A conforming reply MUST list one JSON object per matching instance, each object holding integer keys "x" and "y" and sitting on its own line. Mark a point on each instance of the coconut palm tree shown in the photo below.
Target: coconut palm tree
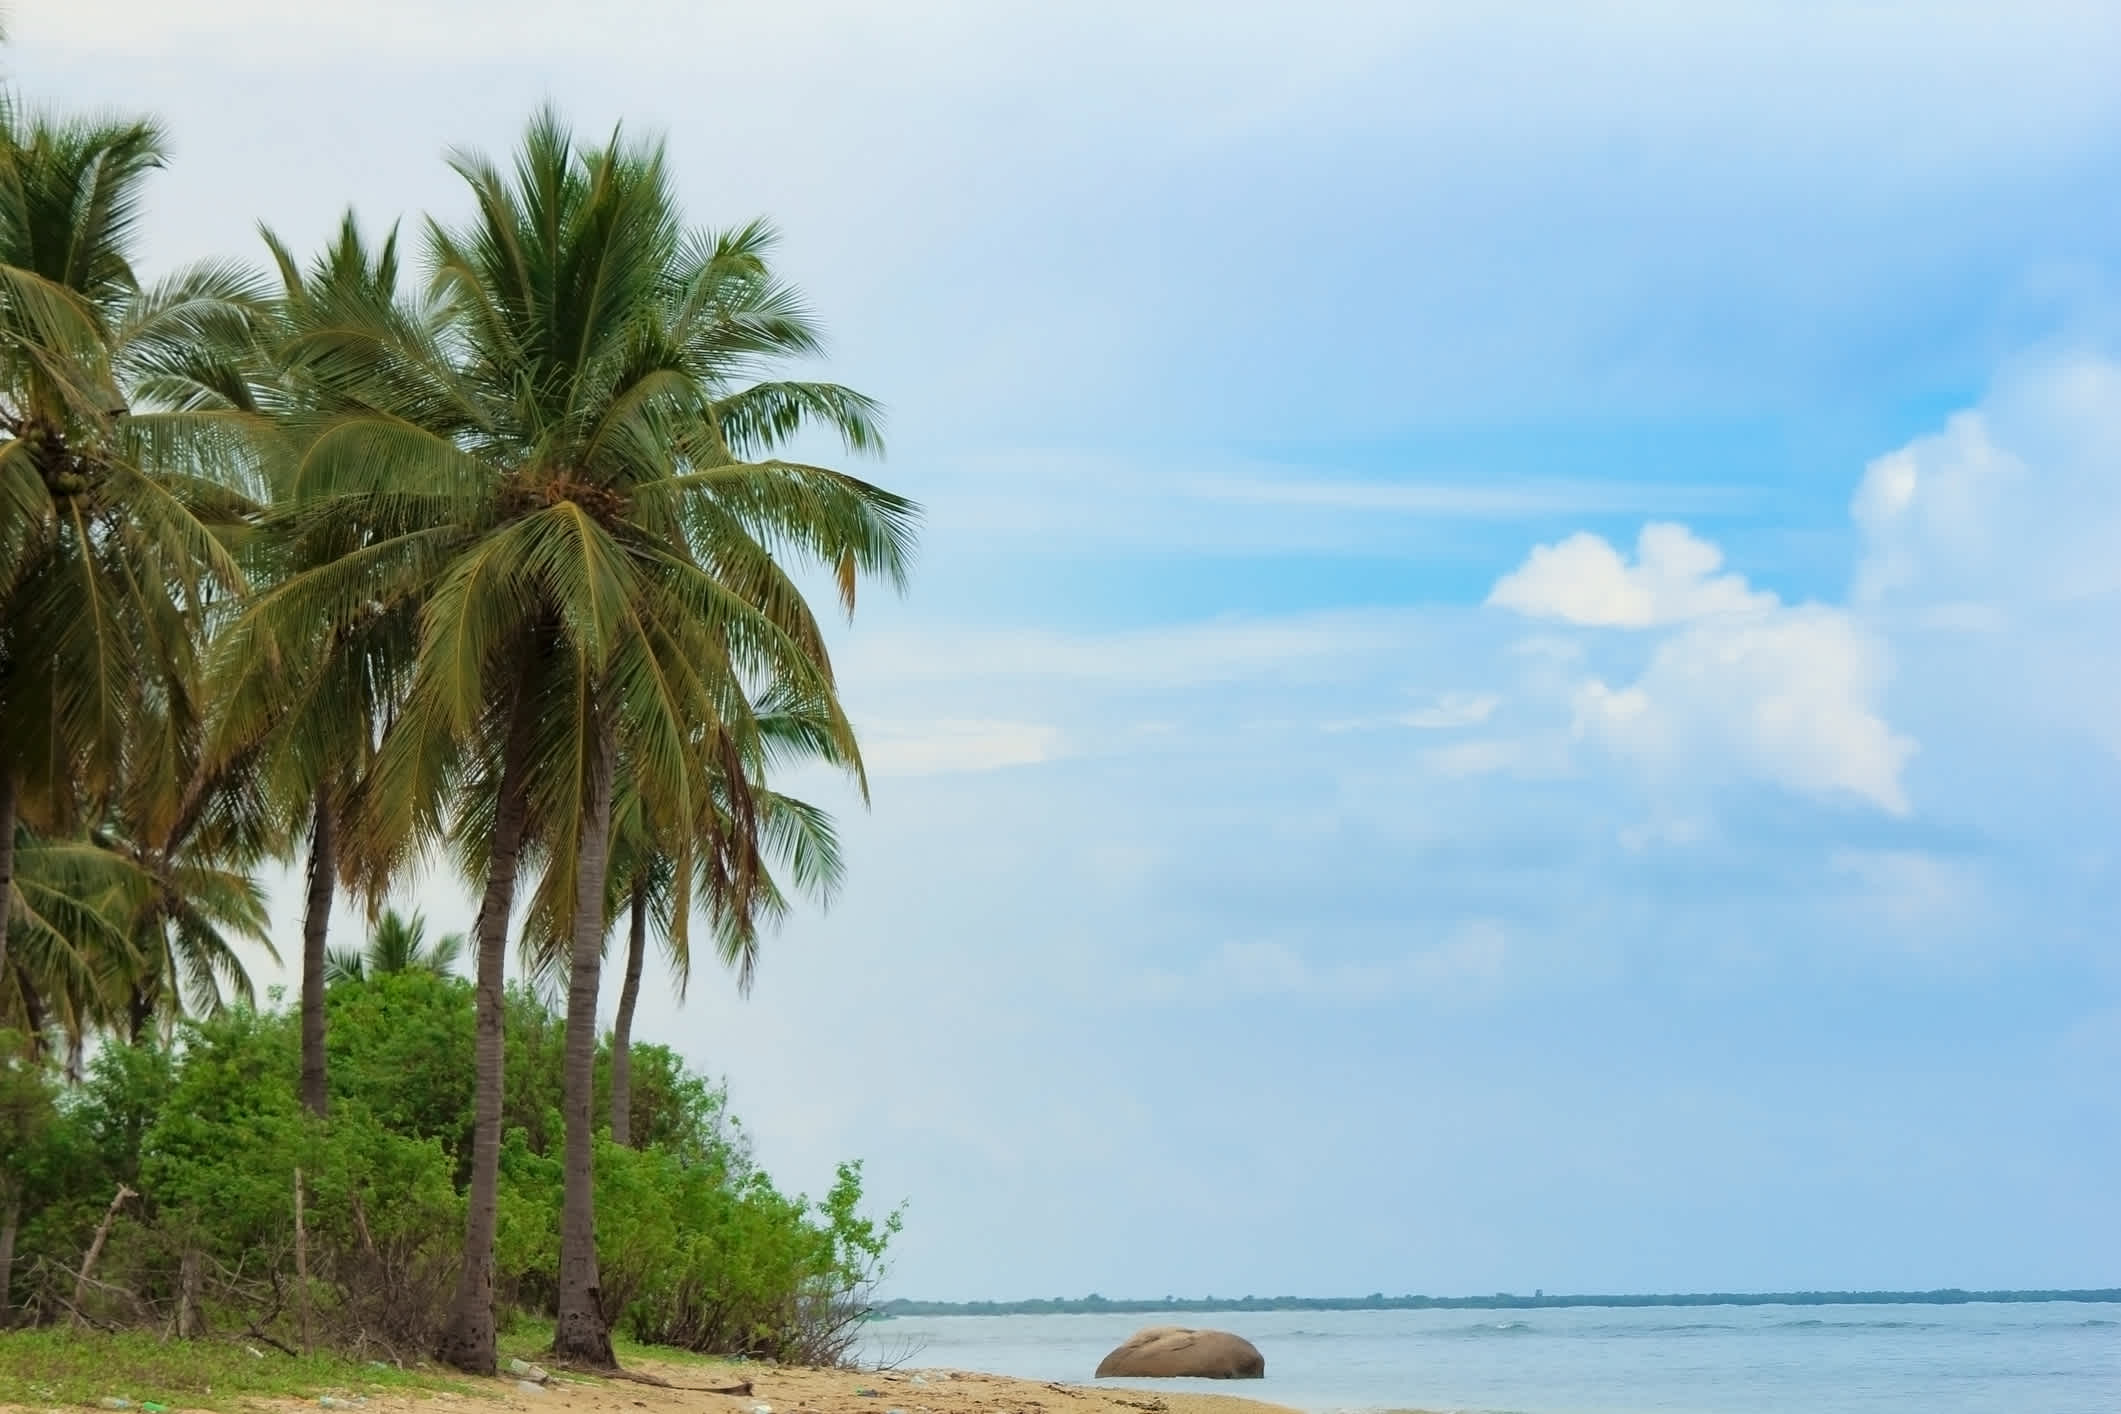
{"x": 112, "y": 490}
{"x": 307, "y": 688}
{"x": 793, "y": 840}
{"x": 398, "y": 944}
{"x": 552, "y": 474}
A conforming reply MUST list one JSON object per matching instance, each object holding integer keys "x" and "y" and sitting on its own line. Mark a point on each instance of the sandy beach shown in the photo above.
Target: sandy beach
{"x": 797, "y": 1391}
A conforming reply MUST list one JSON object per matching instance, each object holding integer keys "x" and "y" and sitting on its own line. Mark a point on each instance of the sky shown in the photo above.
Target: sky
{"x": 1513, "y": 675}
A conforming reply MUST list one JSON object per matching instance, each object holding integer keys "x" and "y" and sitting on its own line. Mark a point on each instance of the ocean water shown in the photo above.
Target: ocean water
{"x": 2047, "y": 1358}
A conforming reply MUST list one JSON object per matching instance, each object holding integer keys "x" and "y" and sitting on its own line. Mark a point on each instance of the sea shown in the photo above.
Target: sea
{"x": 2030, "y": 1358}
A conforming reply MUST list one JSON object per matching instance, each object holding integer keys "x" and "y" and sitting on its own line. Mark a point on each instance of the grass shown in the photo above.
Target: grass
{"x": 57, "y": 1368}
{"x": 527, "y": 1339}
{"x": 43, "y": 1369}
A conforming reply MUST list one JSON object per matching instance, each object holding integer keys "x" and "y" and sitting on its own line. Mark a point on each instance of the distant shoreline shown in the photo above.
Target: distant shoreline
{"x": 1500, "y": 1301}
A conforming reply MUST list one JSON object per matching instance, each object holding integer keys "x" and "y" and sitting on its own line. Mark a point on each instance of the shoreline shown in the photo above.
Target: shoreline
{"x": 788, "y": 1390}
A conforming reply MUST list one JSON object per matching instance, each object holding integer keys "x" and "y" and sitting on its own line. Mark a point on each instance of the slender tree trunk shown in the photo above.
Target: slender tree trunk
{"x": 468, "y": 1341}
{"x": 622, "y": 1027}
{"x": 7, "y": 861}
{"x": 34, "y": 1015}
{"x": 581, "y": 1335}
{"x": 316, "y": 920}
{"x": 191, "y": 1280}
{"x": 140, "y": 1012}
{"x": 10, "y": 1223}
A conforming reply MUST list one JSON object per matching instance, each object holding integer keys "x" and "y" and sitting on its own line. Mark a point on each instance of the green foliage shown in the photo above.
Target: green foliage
{"x": 697, "y": 1248}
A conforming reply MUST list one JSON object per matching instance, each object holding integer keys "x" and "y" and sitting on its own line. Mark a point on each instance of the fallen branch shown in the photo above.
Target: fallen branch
{"x": 615, "y": 1373}
{"x": 95, "y": 1250}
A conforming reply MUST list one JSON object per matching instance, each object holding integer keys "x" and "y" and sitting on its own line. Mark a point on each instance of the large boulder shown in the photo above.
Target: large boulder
{"x": 1173, "y": 1352}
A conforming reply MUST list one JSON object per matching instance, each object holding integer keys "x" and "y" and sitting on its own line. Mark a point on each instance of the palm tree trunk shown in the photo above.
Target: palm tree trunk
{"x": 10, "y": 1223}
{"x": 140, "y": 1013}
{"x": 468, "y": 1341}
{"x": 581, "y": 1335}
{"x": 34, "y": 1015}
{"x": 622, "y": 1027}
{"x": 323, "y": 871}
{"x": 7, "y": 860}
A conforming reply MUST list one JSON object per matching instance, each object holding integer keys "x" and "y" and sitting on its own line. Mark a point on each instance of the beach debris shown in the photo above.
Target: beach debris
{"x": 149, "y": 1406}
{"x": 920, "y": 1379}
{"x": 761, "y": 1409}
{"x": 524, "y": 1370}
{"x": 254, "y": 1352}
{"x": 529, "y": 1387}
{"x": 112, "y": 1401}
{"x": 334, "y": 1401}
{"x": 864, "y": 1392}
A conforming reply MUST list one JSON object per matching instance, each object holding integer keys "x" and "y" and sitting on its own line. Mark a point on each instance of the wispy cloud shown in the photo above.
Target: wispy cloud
{"x": 1482, "y": 500}
{"x": 948, "y": 746}
{"x": 1470, "y": 962}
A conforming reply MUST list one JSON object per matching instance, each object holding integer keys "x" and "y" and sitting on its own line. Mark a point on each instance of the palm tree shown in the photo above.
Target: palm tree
{"x": 795, "y": 841}
{"x": 111, "y": 488}
{"x": 398, "y": 944}
{"x": 551, "y": 473}
{"x": 306, "y": 687}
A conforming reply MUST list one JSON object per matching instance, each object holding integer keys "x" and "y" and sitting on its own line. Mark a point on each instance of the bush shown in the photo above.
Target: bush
{"x": 697, "y": 1247}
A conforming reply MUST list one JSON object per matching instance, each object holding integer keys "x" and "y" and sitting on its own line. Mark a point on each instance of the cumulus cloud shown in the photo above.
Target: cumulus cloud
{"x": 1584, "y": 580}
{"x": 2011, "y": 505}
{"x": 1790, "y": 696}
{"x": 1743, "y": 686}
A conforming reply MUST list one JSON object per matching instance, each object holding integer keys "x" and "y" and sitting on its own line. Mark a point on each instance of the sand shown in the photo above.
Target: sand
{"x": 792, "y": 1391}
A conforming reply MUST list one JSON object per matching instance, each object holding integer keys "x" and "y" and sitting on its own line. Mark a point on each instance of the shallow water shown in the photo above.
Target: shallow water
{"x": 2047, "y": 1358}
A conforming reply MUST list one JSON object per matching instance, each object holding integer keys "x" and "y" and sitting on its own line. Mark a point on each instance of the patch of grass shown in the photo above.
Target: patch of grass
{"x": 528, "y": 1339}
{"x": 42, "y": 1369}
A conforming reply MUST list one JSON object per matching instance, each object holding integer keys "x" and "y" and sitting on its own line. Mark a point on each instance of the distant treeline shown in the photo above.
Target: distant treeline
{"x": 1500, "y": 1301}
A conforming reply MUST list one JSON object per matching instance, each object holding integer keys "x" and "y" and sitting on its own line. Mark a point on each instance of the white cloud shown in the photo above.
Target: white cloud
{"x": 946, "y": 747}
{"x": 1514, "y": 756}
{"x": 1454, "y": 709}
{"x": 1584, "y": 580}
{"x": 1471, "y": 961}
{"x": 2012, "y": 505}
{"x": 1443, "y": 712}
{"x": 1920, "y": 900}
{"x": 1790, "y": 697}
{"x": 1217, "y": 650}
{"x": 1744, "y": 686}
{"x": 1500, "y": 500}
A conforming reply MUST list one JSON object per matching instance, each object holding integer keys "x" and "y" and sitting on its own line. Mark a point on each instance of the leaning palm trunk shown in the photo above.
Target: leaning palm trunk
{"x": 622, "y": 1026}
{"x": 468, "y": 1342}
{"x": 316, "y": 920}
{"x": 582, "y": 1335}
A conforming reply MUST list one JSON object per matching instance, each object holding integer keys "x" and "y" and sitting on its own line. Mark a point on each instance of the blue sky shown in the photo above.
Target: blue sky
{"x": 1513, "y": 681}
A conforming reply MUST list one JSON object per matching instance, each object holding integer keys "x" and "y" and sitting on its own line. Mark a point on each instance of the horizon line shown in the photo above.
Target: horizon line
{"x": 1094, "y": 1303}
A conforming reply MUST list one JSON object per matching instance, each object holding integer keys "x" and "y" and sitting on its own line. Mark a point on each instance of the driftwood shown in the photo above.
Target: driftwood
{"x": 615, "y": 1373}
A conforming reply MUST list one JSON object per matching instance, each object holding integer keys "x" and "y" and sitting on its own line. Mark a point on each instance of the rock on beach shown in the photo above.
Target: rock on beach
{"x": 1176, "y": 1352}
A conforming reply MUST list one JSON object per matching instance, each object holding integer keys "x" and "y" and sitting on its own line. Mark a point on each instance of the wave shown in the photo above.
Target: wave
{"x": 2095, "y": 1321}
{"x": 1493, "y": 1328}
{"x": 1814, "y": 1322}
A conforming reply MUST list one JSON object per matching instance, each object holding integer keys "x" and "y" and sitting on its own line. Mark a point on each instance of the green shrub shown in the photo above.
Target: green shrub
{"x": 696, "y": 1247}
